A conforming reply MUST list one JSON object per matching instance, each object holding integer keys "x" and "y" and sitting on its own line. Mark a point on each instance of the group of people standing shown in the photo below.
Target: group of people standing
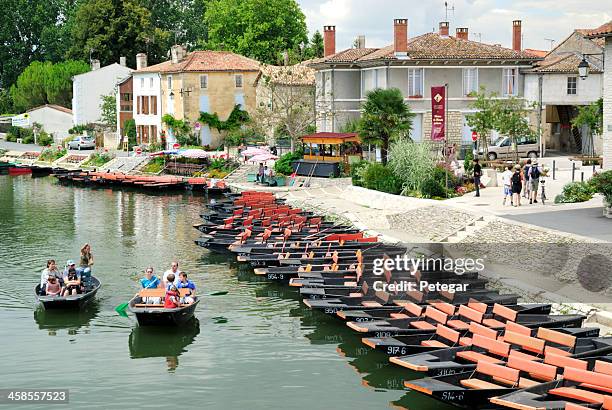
{"x": 172, "y": 281}
{"x": 521, "y": 181}
{"x": 264, "y": 173}
{"x": 72, "y": 280}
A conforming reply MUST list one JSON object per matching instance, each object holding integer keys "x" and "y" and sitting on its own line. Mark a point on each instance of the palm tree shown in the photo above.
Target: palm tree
{"x": 385, "y": 116}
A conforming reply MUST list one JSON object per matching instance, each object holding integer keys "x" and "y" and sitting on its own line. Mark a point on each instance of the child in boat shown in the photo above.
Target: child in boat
{"x": 172, "y": 299}
{"x": 72, "y": 281}
{"x": 185, "y": 283}
{"x": 53, "y": 285}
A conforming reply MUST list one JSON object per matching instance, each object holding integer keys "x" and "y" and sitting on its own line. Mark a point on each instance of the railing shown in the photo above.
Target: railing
{"x": 182, "y": 169}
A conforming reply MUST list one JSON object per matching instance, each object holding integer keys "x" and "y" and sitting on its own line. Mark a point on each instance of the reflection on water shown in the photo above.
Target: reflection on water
{"x": 152, "y": 341}
{"x": 259, "y": 333}
{"x": 55, "y": 320}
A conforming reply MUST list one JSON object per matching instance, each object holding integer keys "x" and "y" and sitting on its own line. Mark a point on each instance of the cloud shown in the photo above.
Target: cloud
{"x": 489, "y": 20}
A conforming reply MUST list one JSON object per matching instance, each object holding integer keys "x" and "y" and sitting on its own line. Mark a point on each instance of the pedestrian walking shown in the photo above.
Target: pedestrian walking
{"x": 477, "y": 175}
{"x": 526, "y": 169}
{"x": 507, "y": 182}
{"x": 517, "y": 185}
{"x": 534, "y": 182}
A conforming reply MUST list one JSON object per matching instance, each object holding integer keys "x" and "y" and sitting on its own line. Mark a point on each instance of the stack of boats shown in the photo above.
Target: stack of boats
{"x": 475, "y": 348}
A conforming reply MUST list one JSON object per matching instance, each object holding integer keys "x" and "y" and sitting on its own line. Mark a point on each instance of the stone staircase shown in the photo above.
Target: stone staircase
{"x": 469, "y": 229}
{"x": 239, "y": 175}
{"x": 125, "y": 164}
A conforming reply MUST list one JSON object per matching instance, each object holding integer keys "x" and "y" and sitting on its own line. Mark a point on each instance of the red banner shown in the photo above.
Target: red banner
{"x": 438, "y": 113}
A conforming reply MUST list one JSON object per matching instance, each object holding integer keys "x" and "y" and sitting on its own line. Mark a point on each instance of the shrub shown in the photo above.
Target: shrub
{"x": 602, "y": 183}
{"x": 44, "y": 139}
{"x": 217, "y": 163}
{"x": 411, "y": 162}
{"x": 440, "y": 173}
{"x": 575, "y": 192}
{"x": 432, "y": 188}
{"x": 381, "y": 178}
{"x": 155, "y": 165}
{"x": 51, "y": 154}
{"x": 356, "y": 172}
{"x": 98, "y": 159}
{"x": 468, "y": 163}
{"x": 282, "y": 166}
{"x": 10, "y": 137}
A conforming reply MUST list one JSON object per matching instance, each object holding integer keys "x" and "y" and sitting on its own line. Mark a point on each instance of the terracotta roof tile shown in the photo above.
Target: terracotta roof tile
{"x": 602, "y": 31}
{"x": 431, "y": 46}
{"x": 206, "y": 60}
{"x": 536, "y": 53}
{"x": 563, "y": 63}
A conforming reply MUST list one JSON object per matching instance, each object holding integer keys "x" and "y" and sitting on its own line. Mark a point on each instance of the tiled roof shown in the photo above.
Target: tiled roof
{"x": 536, "y": 53}
{"x": 604, "y": 30}
{"x": 206, "y": 60}
{"x": 55, "y": 107}
{"x": 298, "y": 74}
{"x": 563, "y": 63}
{"x": 431, "y": 46}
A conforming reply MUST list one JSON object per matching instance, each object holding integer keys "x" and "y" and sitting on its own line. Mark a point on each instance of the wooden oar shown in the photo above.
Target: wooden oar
{"x": 120, "y": 309}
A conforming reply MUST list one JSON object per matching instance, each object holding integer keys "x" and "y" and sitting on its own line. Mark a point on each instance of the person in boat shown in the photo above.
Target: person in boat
{"x": 150, "y": 281}
{"x": 86, "y": 261}
{"x": 174, "y": 270}
{"x": 72, "y": 280}
{"x": 50, "y": 271}
{"x": 172, "y": 298}
{"x": 185, "y": 283}
{"x": 53, "y": 287}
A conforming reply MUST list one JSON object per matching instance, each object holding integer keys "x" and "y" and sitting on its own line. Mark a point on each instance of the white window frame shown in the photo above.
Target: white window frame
{"x": 169, "y": 83}
{"x": 467, "y": 86}
{"x": 236, "y": 77}
{"x": 412, "y": 82}
{"x": 151, "y": 82}
{"x": 142, "y": 82}
{"x": 506, "y": 77}
{"x": 575, "y": 88}
{"x": 205, "y": 77}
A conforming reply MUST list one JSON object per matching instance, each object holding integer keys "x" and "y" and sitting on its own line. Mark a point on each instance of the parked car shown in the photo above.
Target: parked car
{"x": 82, "y": 142}
{"x": 502, "y": 148}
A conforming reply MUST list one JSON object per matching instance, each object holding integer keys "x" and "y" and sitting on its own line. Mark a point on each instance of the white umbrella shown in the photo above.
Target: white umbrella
{"x": 254, "y": 151}
{"x": 263, "y": 157}
{"x": 194, "y": 153}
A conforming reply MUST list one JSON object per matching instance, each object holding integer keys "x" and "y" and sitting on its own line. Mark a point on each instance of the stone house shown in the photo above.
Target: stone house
{"x": 605, "y": 32}
{"x": 556, "y": 79}
{"x": 146, "y": 106}
{"x": 413, "y": 65}
{"x": 54, "y": 119}
{"x": 200, "y": 81}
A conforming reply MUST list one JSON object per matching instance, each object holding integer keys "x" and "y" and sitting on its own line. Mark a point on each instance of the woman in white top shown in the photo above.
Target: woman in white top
{"x": 50, "y": 270}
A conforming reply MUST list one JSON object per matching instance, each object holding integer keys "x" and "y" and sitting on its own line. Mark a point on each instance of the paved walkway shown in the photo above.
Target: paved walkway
{"x": 13, "y": 146}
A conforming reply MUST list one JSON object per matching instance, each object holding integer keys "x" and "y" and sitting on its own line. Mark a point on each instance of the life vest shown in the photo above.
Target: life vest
{"x": 168, "y": 302}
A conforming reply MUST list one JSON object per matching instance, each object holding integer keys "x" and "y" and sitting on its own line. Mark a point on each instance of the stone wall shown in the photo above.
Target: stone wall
{"x": 454, "y": 126}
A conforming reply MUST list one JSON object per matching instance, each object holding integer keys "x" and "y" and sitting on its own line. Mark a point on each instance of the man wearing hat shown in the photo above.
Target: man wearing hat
{"x": 534, "y": 181}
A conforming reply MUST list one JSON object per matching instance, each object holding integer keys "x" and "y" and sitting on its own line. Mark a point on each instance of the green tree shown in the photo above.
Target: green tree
{"x": 483, "y": 121}
{"x": 182, "y": 18}
{"x": 385, "y": 116}
{"x": 26, "y": 27}
{"x": 592, "y": 116}
{"x": 29, "y": 90}
{"x": 108, "y": 107}
{"x": 58, "y": 81}
{"x": 315, "y": 47}
{"x": 46, "y": 83}
{"x": 511, "y": 120}
{"x": 260, "y": 29}
{"x": 6, "y": 103}
{"x": 130, "y": 133}
{"x": 109, "y": 29}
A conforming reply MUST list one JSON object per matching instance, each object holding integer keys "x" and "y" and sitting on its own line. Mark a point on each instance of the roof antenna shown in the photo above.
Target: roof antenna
{"x": 446, "y": 8}
{"x": 551, "y": 40}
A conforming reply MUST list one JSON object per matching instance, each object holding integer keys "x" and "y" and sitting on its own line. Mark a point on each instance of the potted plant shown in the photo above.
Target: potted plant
{"x": 602, "y": 183}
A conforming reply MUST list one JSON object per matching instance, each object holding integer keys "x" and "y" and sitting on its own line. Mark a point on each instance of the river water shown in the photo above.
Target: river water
{"x": 257, "y": 347}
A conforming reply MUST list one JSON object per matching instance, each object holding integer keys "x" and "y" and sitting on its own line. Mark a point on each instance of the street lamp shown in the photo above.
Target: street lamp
{"x": 583, "y": 69}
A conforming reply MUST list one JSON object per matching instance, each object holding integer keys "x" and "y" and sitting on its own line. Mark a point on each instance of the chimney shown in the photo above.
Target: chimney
{"x": 360, "y": 42}
{"x": 444, "y": 28}
{"x": 329, "y": 40}
{"x": 462, "y": 33}
{"x": 122, "y": 61}
{"x": 516, "y": 35}
{"x": 95, "y": 65}
{"x": 141, "y": 61}
{"x": 400, "y": 37}
{"x": 176, "y": 53}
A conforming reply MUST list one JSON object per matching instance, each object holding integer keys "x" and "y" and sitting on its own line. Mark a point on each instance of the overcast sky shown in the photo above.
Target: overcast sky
{"x": 492, "y": 19}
